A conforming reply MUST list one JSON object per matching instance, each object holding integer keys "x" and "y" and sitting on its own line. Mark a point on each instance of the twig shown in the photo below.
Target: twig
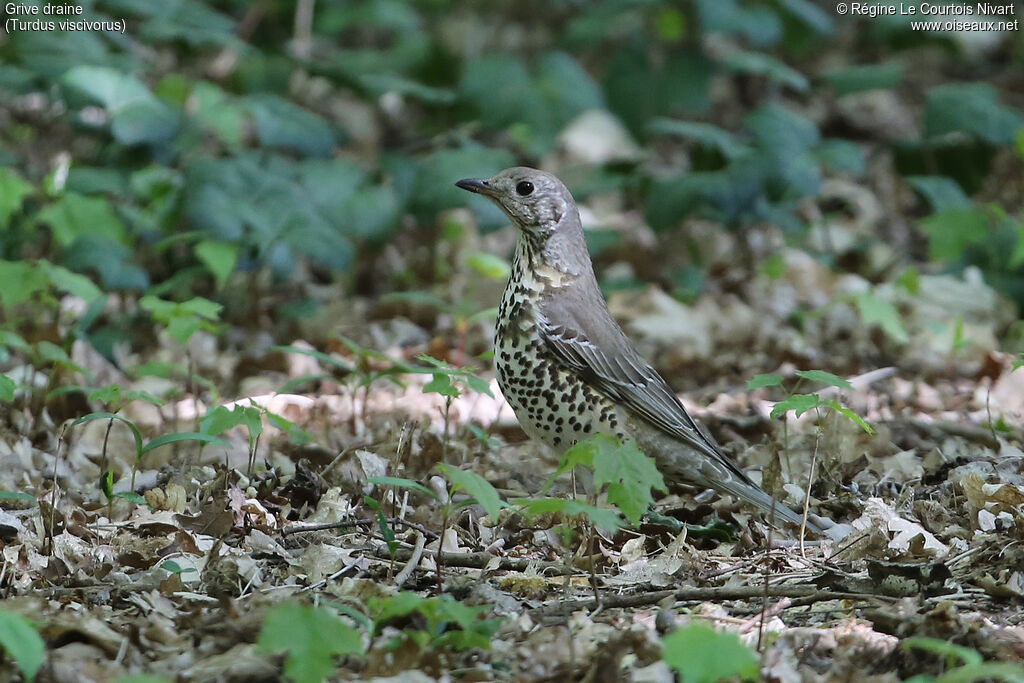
{"x": 807, "y": 594}
{"x": 300, "y": 528}
{"x": 414, "y": 560}
{"x": 480, "y": 561}
{"x": 323, "y": 582}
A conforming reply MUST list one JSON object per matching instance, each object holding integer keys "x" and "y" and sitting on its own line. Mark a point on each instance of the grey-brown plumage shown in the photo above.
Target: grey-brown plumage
{"x": 564, "y": 364}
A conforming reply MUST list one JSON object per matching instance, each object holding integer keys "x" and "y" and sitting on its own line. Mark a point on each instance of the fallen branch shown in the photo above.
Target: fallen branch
{"x": 480, "y": 561}
{"x": 807, "y": 595}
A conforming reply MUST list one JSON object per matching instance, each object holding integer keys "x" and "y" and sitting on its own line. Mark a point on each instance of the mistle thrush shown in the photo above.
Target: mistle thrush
{"x": 564, "y": 364}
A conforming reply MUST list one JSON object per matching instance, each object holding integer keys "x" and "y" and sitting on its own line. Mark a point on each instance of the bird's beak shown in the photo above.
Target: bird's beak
{"x": 476, "y": 185}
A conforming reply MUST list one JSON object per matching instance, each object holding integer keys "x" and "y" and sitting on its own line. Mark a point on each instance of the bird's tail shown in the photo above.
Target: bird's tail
{"x": 749, "y": 492}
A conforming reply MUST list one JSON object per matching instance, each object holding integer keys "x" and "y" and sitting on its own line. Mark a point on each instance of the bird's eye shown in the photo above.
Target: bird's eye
{"x": 524, "y": 188}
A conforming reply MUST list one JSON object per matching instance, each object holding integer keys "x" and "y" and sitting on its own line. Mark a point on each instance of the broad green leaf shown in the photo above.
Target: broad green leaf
{"x": 824, "y": 378}
{"x": 799, "y": 403}
{"x": 74, "y": 215}
{"x": 7, "y": 388}
{"x": 279, "y": 123}
{"x": 630, "y": 475}
{"x": 941, "y": 192}
{"x": 877, "y": 311}
{"x": 489, "y": 265}
{"x": 22, "y": 643}
{"x": 219, "y": 257}
{"x": 862, "y": 77}
{"x": 700, "y": 654}
{"x": 402, "y": 483}
{"x": 13, "y": 190}
{"x": 184, "y": 436}
{"x": 131, "y": 496}
{"x": 759, "y": 381}
{"x": 956, "y": 653}
{"x": 476, "y": 486}
{"x": 765, "y": 65}
{"x": 951, "y": 230}
{"x": 19, "y": 282}
{"x": 384, "y": 610}
{"x": 705, "y": 133}
{"x": 604, "y": 518}
{"x": 970, "y": 108}
{"x": 313, "y": 637}
{"x": 17, "y": 495}
{"x": 137, "y": 116}
{"x": 441, "y": 384}
{"x": 73, "y": 283}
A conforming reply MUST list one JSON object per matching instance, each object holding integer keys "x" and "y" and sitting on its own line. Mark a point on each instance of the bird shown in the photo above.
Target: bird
{"x": 564, "y": 364}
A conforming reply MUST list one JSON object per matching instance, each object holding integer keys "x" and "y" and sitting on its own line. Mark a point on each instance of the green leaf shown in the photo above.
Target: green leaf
{"x": 75, "y": 215}
{"x": 184, "y": 436}
{"x": 824, "y": 378}
{"x": 941, "y": 192}
{"x": 107, "y": 480}
{"x": 970, "y": 108}
{"x": 765, "y": 65}
{"x": 954, "y": 652}
{"x": 951, "y": 230}
{"x": 862, "y": 77}
{"x": 17, "y": 495}
{"x": 489, "y": 265}
{"x": 279, "y": 123}
{"x": 398, "y": 605}
{"x": 313, "y": 637}
{"x": 13, "y": 190}
{"x": 700, "y": 654}
{"x": 402, "y": 483}
{"x": 476, "y": 486}
{"x": 704, "y": 133}
{"x": 73, "y": 283}
{"x": 800, "y": 403}
{"x": 843, "y": 410}
{"x": 441, "y": 384}
{"x": 21, "y": 641}
{"x": 219, "y": 257}
{"x": 630, "y": 475}
{"x": 130, "y": 496}
{"x": 877, "y": 311}
{"x": 137, "y": 116}
{"x": 604, "y": 518}
{"x": 19, "y": 282}
{"x": 759, "y": 381}
{"x": 7, "y": 388}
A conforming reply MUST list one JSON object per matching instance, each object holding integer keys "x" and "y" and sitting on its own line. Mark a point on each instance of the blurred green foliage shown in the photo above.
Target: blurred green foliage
{"x": 219, "y": 139}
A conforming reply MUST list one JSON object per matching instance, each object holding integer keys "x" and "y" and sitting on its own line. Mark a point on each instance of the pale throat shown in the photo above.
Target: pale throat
{"x": 534, "y": 270}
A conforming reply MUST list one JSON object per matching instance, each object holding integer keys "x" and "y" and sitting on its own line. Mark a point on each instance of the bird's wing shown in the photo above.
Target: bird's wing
{"x": 598, "y": 350}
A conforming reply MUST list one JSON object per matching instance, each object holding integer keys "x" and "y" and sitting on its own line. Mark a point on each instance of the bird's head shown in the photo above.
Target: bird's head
{"x": 535, "y": 201}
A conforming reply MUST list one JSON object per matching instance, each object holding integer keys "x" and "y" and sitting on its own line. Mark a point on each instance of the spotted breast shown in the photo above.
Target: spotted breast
{"x": 553, "y": 405}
